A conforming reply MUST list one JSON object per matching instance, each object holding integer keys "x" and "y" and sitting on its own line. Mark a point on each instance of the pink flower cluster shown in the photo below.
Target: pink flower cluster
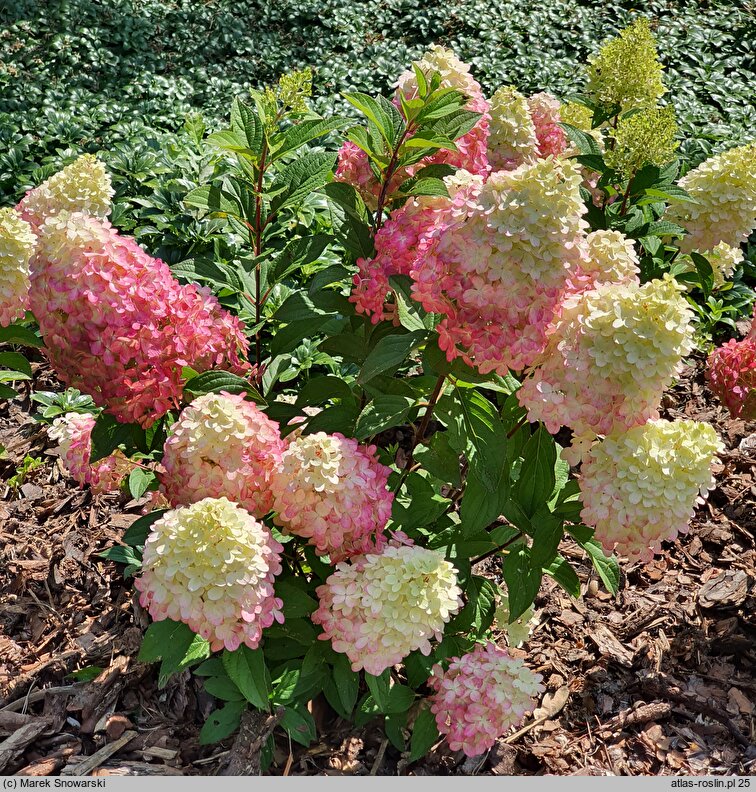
{"x": 544, "y": 110}
{"x": 118, "y": 325}
{"x": 481, "y": 696}
{"x": 222, "y": 446}
{"x": 331, "y": 491}
{"x": 380, "y": 607}
{"x": 731, "y": 372}
{"x": 73, "y": 433}
{"x": 498, "y": 272}
{"x": 353, "y": 165}
{"x": 609, "y": 358}
{"x": 212, "y": 565}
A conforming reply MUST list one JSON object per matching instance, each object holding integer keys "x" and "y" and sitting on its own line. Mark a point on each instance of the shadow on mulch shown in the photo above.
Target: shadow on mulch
{"x": 657, "y": 681}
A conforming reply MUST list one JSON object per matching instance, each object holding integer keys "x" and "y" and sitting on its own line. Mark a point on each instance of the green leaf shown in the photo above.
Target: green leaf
{"x": 607, "y": 567}
{"x": 222, "y": 723}
{"x": 217, "y": 381}
{"x": 307, "y": 130}
{"x": 565, "y": 575}
{"x": 411, "y": 315}
{"x": 296, "y": 255}
{"x": 182, "y": 652}
{"x": 223, "y": 688}
{"x": 140, "y": 481}
{"x": 665, "y": 228}
{"x": 349, "y": 219}
{"x": 13, "y": 376}
{"x": 390, "y": 351}
{"x": 337, "y": 418}
{"x": 17, "y": 362}
{"x": 216, "y": 201}
{"x": 523, "y": 581}
{"x": 246, "y": 668}
{"x": 705, "y": 273}
{"x": 548, "y": 534}
{"x": 586, "y": 144}
{"x": 486, "y": 433}
{"x": 394, "y": 725}
{"x": 299, "y": 725}
{"x": 537, "y": 479}
{"x": 6, "y": 392}
{"x": 424, "y": 734}
{"x": 297, "y": 603}
{"x": 440, "y": 459}
{"x": 346, "y": 682}
{"x": 385, "y": 121}
{"x": 136, "y": 534}
{"x": 247, "y": 126}
{"x": 320, "y": 390}
{"x": 379, "y": 688}
{"x": 17, "y": 334}
{"x": 400, "y": 698}
{"x": 382, "y": 413}
{"x": 159, "y": 638}
{"x": 108, "y": 434}
{"x": 480, "y": 505}
{"x": 122, "y": 555}
{"x": 478, "y": 613}
{"x": 302, "y": 177}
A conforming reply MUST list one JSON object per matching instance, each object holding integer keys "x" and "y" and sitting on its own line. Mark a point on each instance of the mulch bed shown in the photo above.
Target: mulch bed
{"x": 659, "y": 680}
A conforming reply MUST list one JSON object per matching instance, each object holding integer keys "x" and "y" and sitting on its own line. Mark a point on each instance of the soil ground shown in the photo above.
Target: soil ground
{"x": 659, "y": 680}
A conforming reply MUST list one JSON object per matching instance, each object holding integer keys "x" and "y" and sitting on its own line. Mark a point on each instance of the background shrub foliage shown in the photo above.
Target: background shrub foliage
{"x": 246, "y": 204}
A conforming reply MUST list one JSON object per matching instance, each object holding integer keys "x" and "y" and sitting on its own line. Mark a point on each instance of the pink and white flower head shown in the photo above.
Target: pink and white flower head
{"x": 544, "y": 111}
{"x": 610, "y": 356}
{"x": 611, "y": 258}
{"x": 212, "y": 565}
{"x": 83, "y": 186}
{"x": 380, "y": 607}
{"x": 512, "y": 139}
{"x": 724, "y": 188}
{"x": 498, "y": 271}
{"x": 640, "y": 487}
{"x": 403, "y": 240}
{"x": 731, "y": 373}
{"x": 331, "y": 491}
{"x": 222, "y": 446}
{"x": 118, "y": 325}
{"x": 353, "y": 165}
{"x": 73, "y": 433}
{"x": 17, "y": 243}
{"x": 481, "y": 696}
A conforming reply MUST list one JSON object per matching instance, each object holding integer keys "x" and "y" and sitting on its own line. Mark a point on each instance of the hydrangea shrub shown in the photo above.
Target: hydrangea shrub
{"x": 348, "y": 397}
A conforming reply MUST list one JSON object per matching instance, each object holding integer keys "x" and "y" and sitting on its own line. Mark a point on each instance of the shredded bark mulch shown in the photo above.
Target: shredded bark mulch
{"x": 659, "y": 680}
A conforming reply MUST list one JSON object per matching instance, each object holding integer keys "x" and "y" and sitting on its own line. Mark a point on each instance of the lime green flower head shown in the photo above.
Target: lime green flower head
{"x": 626, "y": 71}
{"x": 645, "y": 137}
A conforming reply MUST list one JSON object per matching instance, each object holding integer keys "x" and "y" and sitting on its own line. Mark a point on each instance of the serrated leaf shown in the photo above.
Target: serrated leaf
{"x": 523, "y": 581}
{"x": 565, "y": 575}
{"x": 16, "y": 334}
{"x": 382, "y": 413}
{"x": 424, "y": 734}
{"x": 222, "y": 723}
{"x": 390, "y": 351}
{"x": 586, "y": 144}
{"x": 478, "y": 613}
{"x": 299, "y": 725}
{"x": 296, "y": 255}
{"x": 108, "y": 434}
{"x": 307, "y": 130}
{"x": 349, "y": 219}
{"x": 223, "y": 688}
{"x": 17, "y": 362}
{"x": 302, "y": 177}
{"x": 160, "y": 636}
{"x": 136, "y": 534}
{"x": 537, "y": 479}
{"x": 246, "y": 668}
{"x": 217, "y": 381}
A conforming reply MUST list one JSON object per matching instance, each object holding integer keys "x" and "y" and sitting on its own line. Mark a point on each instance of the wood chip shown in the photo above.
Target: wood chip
{"x": 609, "y": 646}
{"x": 17, "y": 743}
{"x": 726, "y": 590}
{"x": 86, "y": 766}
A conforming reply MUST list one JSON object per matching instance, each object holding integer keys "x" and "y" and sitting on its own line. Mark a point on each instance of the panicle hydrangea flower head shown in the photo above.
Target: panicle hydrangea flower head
{"x": 83, "y": 186}
{"x": 731, "y": 372}
{"x": 640, "y": 486}
{"x": 611, "y": 258}
{"x": 73, "y": 433}
{"x": 498, "y": 270}
{"x": 17, "y": 243}
{"x": 212, "y": 565}
{"x": 332, "y": 491}
{"x": 724, "y": 187}
{"x": 518, "y": 631}
{"x": 512, "y": 133}
{"x": 611, "y": 355}
{"x": 480, "y": 696}
{"x": 645, "y": 137}
{"x": 626, "y": 71}
{"x": 118, "y": 325}
{"x": 380, "y": 607}
{"x": 545, "y": 113}
{"x": 222, "y": 445}
{"x": 577, "y": 115}
{"x": 471, "y": 148}
{"x": 403, "y": 239}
